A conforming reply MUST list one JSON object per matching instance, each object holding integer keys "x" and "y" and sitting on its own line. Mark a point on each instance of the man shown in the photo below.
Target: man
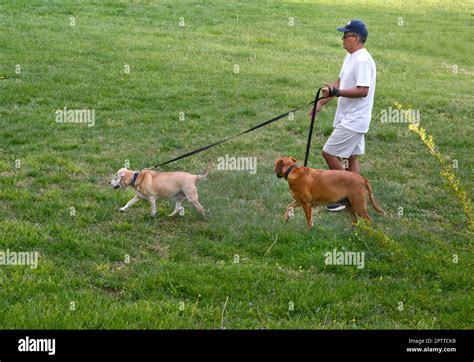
{"x": 355, "y": 89}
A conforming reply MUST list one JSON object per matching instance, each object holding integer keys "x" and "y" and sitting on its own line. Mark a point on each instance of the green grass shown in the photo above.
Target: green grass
{"x": 189, "y": 262}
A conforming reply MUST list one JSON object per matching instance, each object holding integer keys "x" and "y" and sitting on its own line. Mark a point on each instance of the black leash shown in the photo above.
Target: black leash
{"x": 311, "y": 126}
{"x": 274, "y": 119}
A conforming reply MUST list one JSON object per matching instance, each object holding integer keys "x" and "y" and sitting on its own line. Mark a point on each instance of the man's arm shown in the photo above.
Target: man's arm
{"x": 356, "y": 92}
{"x": 363, "y": 76}
{"x": 323, "y": 102}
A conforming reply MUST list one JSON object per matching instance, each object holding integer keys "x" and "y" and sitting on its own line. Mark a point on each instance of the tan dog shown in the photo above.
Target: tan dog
{"x": 152, "y": 185}
{"x": 312, "y": 187}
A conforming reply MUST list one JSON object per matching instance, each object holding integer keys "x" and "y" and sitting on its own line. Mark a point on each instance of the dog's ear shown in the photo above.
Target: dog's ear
{"x": 293, "y": 159}
{"x": 278, "y": 167}
{"x": 122, "y": 173}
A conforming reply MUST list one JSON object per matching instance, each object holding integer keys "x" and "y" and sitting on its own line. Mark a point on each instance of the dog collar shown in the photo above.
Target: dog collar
{"x": 291, "y": 168}
{"x": 134, "y": 178}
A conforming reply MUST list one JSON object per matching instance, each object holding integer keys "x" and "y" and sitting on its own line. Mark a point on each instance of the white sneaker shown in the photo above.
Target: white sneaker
{"x": 335, "y": 207}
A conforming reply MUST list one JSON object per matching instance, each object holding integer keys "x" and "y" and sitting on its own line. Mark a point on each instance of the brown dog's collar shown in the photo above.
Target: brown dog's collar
{"x": 291, "y": 168}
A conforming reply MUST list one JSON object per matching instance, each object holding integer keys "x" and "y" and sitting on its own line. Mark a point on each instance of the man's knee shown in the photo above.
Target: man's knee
{"x": 326, "y": 155}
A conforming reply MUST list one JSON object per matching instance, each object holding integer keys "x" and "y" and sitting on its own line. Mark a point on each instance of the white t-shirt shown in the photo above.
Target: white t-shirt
{"x": 355, "y": 114}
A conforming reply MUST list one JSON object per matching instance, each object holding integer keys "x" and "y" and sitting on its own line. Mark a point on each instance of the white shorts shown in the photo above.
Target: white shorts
{"x": 345, "y": 143}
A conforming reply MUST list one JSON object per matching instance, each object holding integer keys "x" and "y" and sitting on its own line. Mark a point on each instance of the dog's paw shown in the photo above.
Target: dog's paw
{"x": 179, "y": 212}
{"x": 291, "y": 212}
{"x": 122, "y": 209}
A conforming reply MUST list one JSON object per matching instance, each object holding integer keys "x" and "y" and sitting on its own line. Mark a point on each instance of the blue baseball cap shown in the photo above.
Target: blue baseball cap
{"x": 355, "y": 26}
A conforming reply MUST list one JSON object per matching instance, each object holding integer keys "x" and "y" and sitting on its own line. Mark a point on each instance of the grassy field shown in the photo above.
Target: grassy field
{"x": 140, "y": 67}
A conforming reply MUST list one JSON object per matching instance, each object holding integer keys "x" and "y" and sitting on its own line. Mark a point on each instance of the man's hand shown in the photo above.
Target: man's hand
{"x": 325, "y": 89}
{"x": 319, "y": 106}
{"x": 329, "y": 90}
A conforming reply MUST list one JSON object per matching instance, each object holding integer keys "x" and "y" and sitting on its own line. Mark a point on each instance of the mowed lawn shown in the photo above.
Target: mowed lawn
{"x": 227, "y": 66}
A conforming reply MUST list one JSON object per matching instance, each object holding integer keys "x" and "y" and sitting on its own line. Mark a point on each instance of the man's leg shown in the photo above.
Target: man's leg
{"x": 358, "y": 150}
{"x": 353, "y": 164}
{"x": 334, "y": 164}
{"x": 332, "y": 161}
{"x": 342, "y": 143}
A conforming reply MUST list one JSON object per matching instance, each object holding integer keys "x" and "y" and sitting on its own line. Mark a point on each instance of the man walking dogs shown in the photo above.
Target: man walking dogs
{"x": 355, "y": 90}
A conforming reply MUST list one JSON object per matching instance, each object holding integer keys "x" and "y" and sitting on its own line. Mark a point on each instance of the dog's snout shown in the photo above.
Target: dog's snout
{"x": 114, "y": 183}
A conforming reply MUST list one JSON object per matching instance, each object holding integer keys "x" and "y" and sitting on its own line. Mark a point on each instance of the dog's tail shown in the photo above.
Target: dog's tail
{"x": 372, "y": 198}
{"x": 206, "y": 171}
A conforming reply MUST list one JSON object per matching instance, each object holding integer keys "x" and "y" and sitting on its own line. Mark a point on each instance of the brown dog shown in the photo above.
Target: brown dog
{"x": 312, "y": 187}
